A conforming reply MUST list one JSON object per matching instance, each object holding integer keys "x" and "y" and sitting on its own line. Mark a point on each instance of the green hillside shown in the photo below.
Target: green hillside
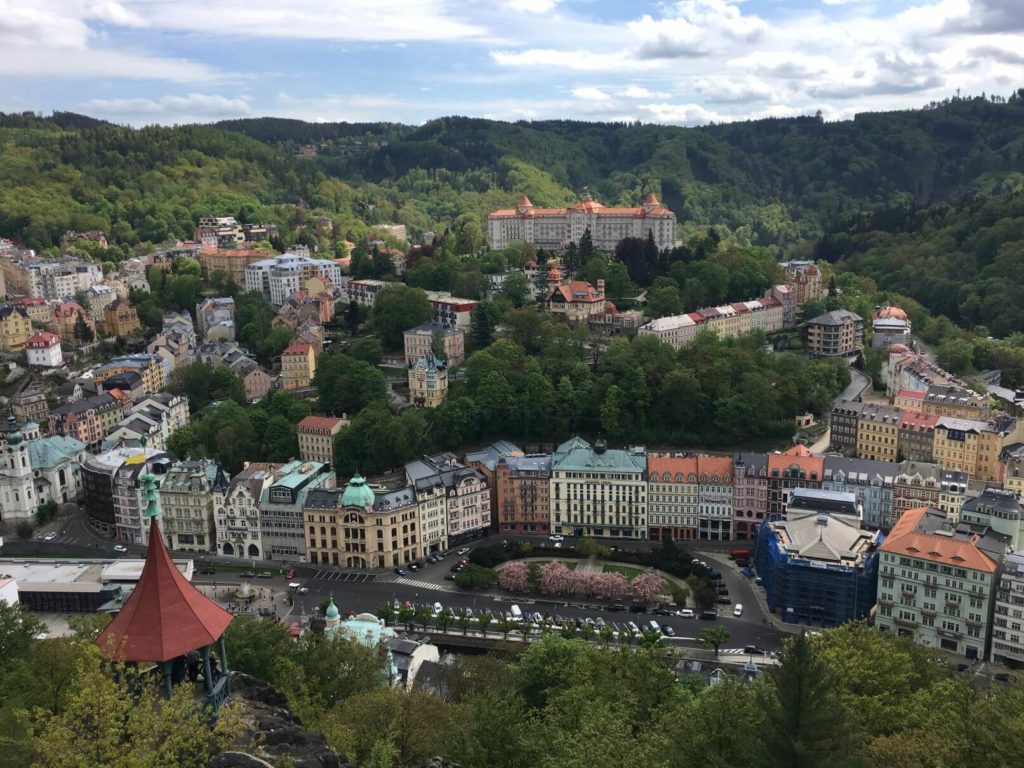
{"x": 770, "y": 182}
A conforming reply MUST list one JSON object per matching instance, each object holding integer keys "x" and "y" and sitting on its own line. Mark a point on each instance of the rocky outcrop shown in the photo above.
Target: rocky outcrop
{"x": 272, "y": 735}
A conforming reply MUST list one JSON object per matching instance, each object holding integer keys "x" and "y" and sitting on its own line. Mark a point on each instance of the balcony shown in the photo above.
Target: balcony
{"x": 951, "y": 634}
{"x": 885, "y": 601}
{"x": 973, "y": 623}
{"x": 911, "y": 623}
{"x": 952, "y": 603}
{"x": 928, "y": 614}
{"x": 908, "y": 593}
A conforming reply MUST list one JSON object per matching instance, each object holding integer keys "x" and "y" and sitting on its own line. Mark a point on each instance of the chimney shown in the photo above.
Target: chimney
{"x": 600, "y": 286}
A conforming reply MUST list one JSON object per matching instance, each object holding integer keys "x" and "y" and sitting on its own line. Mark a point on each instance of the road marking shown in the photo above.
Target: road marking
{"x": 416, "y": 583}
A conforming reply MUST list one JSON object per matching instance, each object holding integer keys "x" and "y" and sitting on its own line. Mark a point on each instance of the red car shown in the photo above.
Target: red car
{"x": 291, "y": 573}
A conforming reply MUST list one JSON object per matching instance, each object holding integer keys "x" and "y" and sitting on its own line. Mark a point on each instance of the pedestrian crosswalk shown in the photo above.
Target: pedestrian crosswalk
{"x": 406, "y": 582}
{"x": 343, "y": 576}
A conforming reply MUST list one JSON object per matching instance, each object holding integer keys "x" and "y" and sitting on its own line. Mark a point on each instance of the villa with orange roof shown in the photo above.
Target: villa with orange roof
{"x": 936, "y": 582}
{"x": 577, "y": 302}
{"x": 554, "y": 228}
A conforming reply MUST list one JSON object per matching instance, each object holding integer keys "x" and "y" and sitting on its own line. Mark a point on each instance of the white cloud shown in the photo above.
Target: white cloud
{"x": 177, "y": 109}
{"x": 636, "y": 92}
{"x": 589, "y": 93}
{"x": 586, "y": 61}
{"x": 532, "y": 6}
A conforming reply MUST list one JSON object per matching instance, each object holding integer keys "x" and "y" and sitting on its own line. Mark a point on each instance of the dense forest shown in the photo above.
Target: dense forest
{"x": 771, "y": 182}
{"x": 850, "y": 697}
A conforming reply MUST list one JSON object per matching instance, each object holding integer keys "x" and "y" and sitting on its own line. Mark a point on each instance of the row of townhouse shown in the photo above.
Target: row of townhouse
{"x": 891, "y": 433}
{"x": 775, "y": 311}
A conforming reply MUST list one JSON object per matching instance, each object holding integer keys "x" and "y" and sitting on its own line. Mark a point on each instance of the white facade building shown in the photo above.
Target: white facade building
{"x": 555, "y": 228}
{"x": 279, "y": 277}
{"x": 43, "y": 349}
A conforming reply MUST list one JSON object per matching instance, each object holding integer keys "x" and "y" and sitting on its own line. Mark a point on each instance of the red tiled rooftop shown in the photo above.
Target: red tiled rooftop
{"x": 320, "y": 422}
{"x": 905, "y": 540}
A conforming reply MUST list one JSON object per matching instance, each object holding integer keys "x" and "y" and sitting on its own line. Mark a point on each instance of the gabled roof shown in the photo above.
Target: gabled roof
{"x": 925, "y": 534}
{"x": 165, "y": 616}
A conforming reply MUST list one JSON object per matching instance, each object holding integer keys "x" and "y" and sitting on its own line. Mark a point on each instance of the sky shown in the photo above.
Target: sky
{"x": 689, "y": 62}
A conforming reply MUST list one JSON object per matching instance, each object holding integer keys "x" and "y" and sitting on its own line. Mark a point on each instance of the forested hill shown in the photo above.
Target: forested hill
{"x": 770, "y": 182}
{"x": 776, "y": 180}
{"x": 965, "y": 262}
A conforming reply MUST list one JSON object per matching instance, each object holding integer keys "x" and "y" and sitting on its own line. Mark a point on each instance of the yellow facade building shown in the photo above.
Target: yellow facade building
{"x": 974, "y": 447}
{"x": 15, "y": 328}
{"x": 878, "y": 432}
{"x": 298, "y": 366}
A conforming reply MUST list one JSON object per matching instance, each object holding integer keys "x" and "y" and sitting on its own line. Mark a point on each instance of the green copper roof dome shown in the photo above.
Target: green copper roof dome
{"x": 357, "y": 494}
{"x": 332, "y": 613}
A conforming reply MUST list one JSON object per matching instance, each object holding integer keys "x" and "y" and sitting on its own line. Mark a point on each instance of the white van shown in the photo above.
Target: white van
{"x": 653, "y": 626}
{"x": 517, "y": 614}
{"x": 738, "y": 610}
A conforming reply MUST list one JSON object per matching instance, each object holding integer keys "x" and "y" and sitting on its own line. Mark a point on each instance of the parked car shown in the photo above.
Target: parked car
{"x": 754, "y": 650}
{"x": 400, "y": 571}
{"x": 661, "y": 612}
{"x": 738, "y": 610}
{"x": 413, "y": 567}
{"x": 536, "y": 617}
{"x": 450, "y": 576}
{"x": 431, "y": 559}
{"x": 436, "y": 609}
{"x": 616, "y": 607}
{"x": 265, "y": 575}
{"x": 668, "y": 631}
{"x": 50, "y": 536}
{"x": 243, "y": 574}
{"x": 724, "y": 600}
{"x": 633, "y": 627}
{"x": 463, "y": 551}
{"x": 556, "y": 537}
{"x": 709, "y": 616}
{"x": 208, "y": 571}
{"x": 599, "y": 622}
{"x": 291, "y": 573}
{"x": 685, "y": 613}
{"x": 638, "y": 608}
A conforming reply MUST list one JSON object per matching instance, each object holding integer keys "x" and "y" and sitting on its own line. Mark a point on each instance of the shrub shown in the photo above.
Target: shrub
{"x": 476, "y": 577}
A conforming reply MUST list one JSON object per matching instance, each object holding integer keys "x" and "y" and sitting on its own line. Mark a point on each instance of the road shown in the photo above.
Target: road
{"x": 859, "y": 383}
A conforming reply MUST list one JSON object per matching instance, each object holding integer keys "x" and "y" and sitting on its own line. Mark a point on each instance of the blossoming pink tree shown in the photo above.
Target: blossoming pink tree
{"x": 513, "y": 576}
{"x": 644, "y": 587}
{"x": 555, "y": 579}
{"x": 609, "y": 586}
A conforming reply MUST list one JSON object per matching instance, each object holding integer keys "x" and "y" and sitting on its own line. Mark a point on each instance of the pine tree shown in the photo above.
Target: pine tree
{"x": 481, "y": 326}
{"x": 586, "y": 247}
{"x": 805, "y": 724}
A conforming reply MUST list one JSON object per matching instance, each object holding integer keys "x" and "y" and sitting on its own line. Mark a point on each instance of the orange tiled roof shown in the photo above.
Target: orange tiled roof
{"x": 301, "y": 348}
{"x": 320, "y": 422}
{"x": 912, "y": 394}
{"x": 570, "y": 289}
{"x": 687, "y": 465}
{"x": 915, "y": 419}
{"x": 803, "y": 459}
{"x": 905, "y": 539}
{"x": 715, "y": 465}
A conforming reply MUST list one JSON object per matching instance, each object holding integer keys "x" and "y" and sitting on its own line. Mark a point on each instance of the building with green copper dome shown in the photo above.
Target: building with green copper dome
{"x": 358, "y": 494}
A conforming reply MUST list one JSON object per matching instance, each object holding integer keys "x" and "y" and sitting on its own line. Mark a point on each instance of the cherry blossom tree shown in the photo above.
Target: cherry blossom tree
{"x": 555, "y": 578}
{"x": 513, "y": 576}
{"x": 609, "y": 586}
{"x": 644, "y": 587}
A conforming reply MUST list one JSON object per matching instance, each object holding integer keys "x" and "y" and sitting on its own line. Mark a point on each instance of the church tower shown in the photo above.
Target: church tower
{"x": 19, "y": 502}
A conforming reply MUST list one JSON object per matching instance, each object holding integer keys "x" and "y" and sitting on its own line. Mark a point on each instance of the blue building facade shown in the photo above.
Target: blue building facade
{"x": 804, "y": 588}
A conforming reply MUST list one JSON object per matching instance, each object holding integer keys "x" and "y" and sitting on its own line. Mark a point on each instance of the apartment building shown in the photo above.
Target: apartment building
{"x": 750, "y": 493}
{"x": 15, "y": 328}
{"x": 467, "y": 497}
{"x": 918, "y": 484}
{"x": 112, "y": 494}
{"x": 839, "y": 333}
{"x": 230, "y": 261}
{"x": 219, "y": 231}
{"x": 187, "y": 499}
{"x": 432, "y": 511}
{"x": 1011, "y": 468}
{"x": 889, "y": 326}
{"x": 953, "y": 487}
{"x": 796, "y": 468}
{"x": 1008, "y": 613}
{"x": 555, "y": 228}
{"x": 298, "y": 366}
{"x": 937, "y": 580}
{"x": 121, "y": 319}
{"x": 31, "y": 405}
{"x": 237, "y": 513}
{"x": 357, "y": 527}
{"x": 878, "y": 432}
{"x": 715, "y": 497}
{"x": 428, "y": 382}
{"x": 281, "y": 507}
{"x": 597, "y": 491}
{"x": 807, "y": 278}
{"x": 155, "y": 372}
{"x": 419, "y": 342}
{"x": 88, "y": 420}
{"x": 279, "y": 277}
{"x": 43, "y": 349}
{"x": 576, "y": 302}
{"x": 216, "y": 318}
{"x": 917, "y": 436}
{"x": 973, "y": 446}
{"x": 871, "y": 482}
{"x": 71, "y": 321}
{"x": 37, "y": 307}
{"x": 727, "y": 321}
{"x": 843, "y": 425}
{"x": 523, "y": 494}
{"x": 316, "y": 436}
{"x": 451, "y": 311}
{"x": 673, "y": 497}
{"x": 998, "y": 510}
{"x": 818, "y": 566}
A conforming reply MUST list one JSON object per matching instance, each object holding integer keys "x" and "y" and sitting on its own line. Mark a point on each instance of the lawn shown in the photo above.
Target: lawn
{"x": 625, "y": 570}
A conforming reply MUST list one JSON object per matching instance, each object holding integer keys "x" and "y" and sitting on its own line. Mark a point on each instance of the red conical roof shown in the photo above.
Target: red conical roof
{"x": 651, "y": 199}
{"x": 165, "y": 616}
{"x": 525, "y": 202}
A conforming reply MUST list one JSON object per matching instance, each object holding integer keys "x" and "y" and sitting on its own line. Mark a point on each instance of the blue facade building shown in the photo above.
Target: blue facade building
{"x": 818, "y": 567}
